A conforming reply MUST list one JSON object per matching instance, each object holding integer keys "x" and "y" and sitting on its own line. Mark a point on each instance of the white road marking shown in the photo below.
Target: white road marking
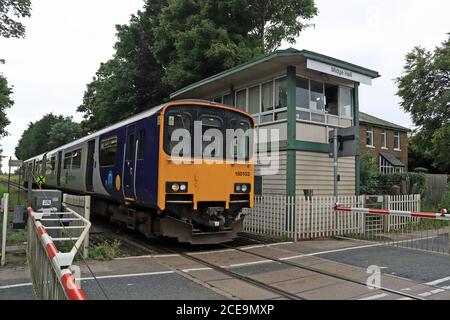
{"x": 330, "y": 251}
{"x": 130, "y": 275}
{"x": 209, "y": 252}
{"x": 378, "y": 296}
{"x": 19, "y": 285}
{"x": 406, "y": 298}
{"x": 118, "y": 276}
{"x": 250, "y": 263}
{"x": 435, "y": 282}
{"x": 196, "y": 269}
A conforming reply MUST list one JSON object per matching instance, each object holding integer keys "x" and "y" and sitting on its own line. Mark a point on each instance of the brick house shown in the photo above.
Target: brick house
{"x": 385, "y": 141}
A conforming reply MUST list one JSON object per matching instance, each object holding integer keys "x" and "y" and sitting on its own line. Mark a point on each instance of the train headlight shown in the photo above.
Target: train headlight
{"x": 242, "y": 188}
{"x": 176, "y": 187}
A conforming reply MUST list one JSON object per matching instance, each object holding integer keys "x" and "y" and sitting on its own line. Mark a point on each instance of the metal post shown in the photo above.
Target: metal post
{"x": 30, "y": 188}
{"x": 5, "y": 226}
{"x": 9, "y": 173}
{"x": 335, "y": 161}
{"x": 18, "y": 189}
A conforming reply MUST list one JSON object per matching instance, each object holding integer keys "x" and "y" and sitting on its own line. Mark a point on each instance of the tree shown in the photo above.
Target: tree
{"x": 130, "y": 82}
{"x": 62, "y": 132}
{"x": 5, "y": 103}
{"x": 424, "y": 89}
{"x": 278, "y": 20}
{"x": 10, "y": 12}
{"x": 10, "y": 27}
{"x": 48, "y": 133}
{"x": 199, "y": 38}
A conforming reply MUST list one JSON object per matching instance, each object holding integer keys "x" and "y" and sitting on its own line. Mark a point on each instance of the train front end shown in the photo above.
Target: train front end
{"x": 206, "y": 171}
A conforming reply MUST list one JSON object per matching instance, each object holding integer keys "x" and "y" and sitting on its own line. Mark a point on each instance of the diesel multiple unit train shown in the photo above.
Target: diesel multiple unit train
{"x": 137, "y": 178}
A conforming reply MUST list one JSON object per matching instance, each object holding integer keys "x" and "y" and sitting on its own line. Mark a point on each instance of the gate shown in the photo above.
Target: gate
{"x": 427, "y": 231}
{"x": 50, "y": 258}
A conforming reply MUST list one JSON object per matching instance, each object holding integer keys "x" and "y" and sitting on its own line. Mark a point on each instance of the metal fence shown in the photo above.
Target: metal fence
{"x": 297, "y": 218}
{"x": 51, "y": 251}
{"x": 82, "y": 206}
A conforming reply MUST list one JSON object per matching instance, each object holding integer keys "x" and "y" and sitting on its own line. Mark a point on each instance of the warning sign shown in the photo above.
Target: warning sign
{"x": 40, "y": 180}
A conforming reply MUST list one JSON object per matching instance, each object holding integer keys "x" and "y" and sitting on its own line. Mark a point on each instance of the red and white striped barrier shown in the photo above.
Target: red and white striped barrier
{"x": 427, "y": 215}
{"x": 66, "y": 278}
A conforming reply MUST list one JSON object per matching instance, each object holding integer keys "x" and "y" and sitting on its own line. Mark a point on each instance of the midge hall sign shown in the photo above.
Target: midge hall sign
{"x": 338, "y": 72}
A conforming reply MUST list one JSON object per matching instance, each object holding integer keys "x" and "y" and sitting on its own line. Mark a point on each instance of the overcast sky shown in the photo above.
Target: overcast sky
{"x": 66, "y": 40}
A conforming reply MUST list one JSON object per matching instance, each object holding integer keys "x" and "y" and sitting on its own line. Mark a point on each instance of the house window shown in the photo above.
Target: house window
{"x": 241, "y": 100}
{"x": 302, "y": 93}
{"x": 386, "y": 166}
{"x": 345, "y": 102}
{"x": 317, "y": 97}
{"x": 383, "y": 138}
{"x": 369, "y": 140}
{"x": 253, "y": 100}
{"x": 228, "y": 100}
{"x": 331, "y": 94}
{"x": 281, "y": 93}
{"x": 397, "y": 140}
{"x": 267, "y": 96}
{"x": 324, "y": 103}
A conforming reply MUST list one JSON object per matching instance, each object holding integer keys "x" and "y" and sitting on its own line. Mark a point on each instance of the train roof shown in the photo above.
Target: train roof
{"x": 120, "y": 124}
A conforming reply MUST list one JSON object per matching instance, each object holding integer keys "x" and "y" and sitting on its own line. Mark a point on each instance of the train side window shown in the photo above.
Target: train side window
{"x": 108, "y": 151}
{"x": 76, "y": 159}
{"x": 50, "y": 166}
{"x": 67, "y": 160}
{"x": 141, "y": 148}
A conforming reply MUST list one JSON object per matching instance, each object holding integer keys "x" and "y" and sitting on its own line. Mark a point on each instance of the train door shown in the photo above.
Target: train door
{"x": 130, "y": 163}
{"x": 58, "y": 174}
{"x": 90, "y": 166}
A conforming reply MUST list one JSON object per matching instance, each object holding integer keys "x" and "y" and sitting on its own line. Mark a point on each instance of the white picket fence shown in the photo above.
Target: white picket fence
{"x": 296, "y": 218}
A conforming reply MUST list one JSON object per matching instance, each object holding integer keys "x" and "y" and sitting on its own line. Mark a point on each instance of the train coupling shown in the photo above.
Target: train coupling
{"x": 211, "y": 217}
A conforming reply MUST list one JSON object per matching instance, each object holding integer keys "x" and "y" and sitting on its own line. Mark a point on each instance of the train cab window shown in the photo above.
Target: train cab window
{"x": 241, "y": 144}
{"x": 67, "y": 160}
{"x": 76, "y": 159}
{"x": 175, "y": 121}
{"x": 141, "y": 147}
{"x": 210, "y": 122}
{"x": 108, "y": 151}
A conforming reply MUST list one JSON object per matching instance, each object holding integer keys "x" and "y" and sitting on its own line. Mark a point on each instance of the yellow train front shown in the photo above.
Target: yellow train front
{"x": 206, "y": 171}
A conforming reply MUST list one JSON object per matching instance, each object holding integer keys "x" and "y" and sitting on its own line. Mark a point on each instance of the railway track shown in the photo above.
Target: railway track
{"x": 152, "y": 248}
{"x": 13, "y": 184}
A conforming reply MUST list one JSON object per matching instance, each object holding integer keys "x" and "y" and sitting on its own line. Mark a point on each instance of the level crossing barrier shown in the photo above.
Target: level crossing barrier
{"x": 428, "y": 231}
{"x": 52, "y": 248}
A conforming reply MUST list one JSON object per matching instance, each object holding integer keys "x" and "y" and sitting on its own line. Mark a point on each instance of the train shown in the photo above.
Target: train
{"x": 138, "y": 175}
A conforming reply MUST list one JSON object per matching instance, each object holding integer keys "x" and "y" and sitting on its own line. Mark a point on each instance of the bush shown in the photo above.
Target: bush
{"x": 445, "y": 202}
{"x": 421, "y": 170}
{"x": 369, "y": 175}
{"x": 105, "y": 251}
